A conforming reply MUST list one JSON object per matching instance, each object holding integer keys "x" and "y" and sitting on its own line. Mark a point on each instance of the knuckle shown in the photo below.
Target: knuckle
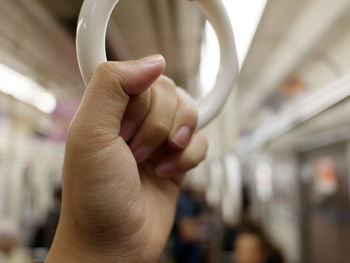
{"x": 171, "y": 90}
{"x": 165, "y": 85}
{"x": 105, "y": 68}
{"x": 185, "y": 96}
{"x": 189, "y": 116}
{"x": 191, "y": 161}
{"x": 166, "y": 81}
{"x": 107, "y": 72}
{"x": 160, "y": 129}
{"x": 202, "y": 149}
{"x": 204, "y": 143}
{"x": 203, "y": 157}
{"x": 187, "y": 101}
{"x": 164, "y": 95}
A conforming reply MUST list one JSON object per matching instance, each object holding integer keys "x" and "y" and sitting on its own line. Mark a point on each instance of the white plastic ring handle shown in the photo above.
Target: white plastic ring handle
{"x": 91, "y": 34}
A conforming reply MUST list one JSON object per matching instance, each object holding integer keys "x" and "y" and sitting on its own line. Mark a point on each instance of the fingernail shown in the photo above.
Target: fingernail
{"x": 142, "y": 153}
{"x": 165, "y": 169}
{"x": 154, "y": 59}
{"x": 182, "y": 137}
{"x": 127, "y": 129}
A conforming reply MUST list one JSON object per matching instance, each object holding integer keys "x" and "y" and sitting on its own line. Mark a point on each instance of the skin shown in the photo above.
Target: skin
{"x": 249, "y": 250}
{"x": 127, "y": 150}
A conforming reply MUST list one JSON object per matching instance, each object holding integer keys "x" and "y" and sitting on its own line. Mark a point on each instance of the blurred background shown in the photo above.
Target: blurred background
{"x": 275, "y": 186}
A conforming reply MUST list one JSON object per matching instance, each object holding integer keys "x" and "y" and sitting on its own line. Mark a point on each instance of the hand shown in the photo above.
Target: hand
{"x": 127, "y": 151}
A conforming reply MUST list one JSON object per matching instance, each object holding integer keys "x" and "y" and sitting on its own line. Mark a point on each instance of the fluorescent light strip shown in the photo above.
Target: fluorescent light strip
{"x": 26, "y": 90}
{"x": 245, "y": 16}
{"x": 297, "y": 114}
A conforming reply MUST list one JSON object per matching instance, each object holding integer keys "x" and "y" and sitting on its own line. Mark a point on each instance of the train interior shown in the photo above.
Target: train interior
{"x": 279, "y": 152}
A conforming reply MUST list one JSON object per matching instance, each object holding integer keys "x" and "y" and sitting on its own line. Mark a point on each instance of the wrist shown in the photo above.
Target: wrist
{"x": 68, "y": 247}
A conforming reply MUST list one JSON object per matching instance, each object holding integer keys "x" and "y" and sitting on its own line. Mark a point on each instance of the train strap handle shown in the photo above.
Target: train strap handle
{"x": 90, "y": 43}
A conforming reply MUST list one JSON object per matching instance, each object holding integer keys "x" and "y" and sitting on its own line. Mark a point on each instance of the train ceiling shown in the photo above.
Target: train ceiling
{"x": 299, "y": 47}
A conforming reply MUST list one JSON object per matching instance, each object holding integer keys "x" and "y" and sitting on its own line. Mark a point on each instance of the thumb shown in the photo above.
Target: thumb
{"x": 112, "y": 84}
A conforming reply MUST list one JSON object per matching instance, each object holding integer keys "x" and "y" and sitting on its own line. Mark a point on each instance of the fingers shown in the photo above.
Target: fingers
{"x": 185, "y": 121}
{"x": 107, "y": 95}
{"x": 165, "y": 114}
{"x": 175, "y": 164}
{"x": 156, "y": 126}
{"x": 135, "y": 113}
{"x": 183, "y": 126}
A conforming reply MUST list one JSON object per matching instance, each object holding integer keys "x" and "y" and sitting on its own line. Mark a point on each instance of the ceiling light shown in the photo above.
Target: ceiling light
{"x": 26, "y": 90}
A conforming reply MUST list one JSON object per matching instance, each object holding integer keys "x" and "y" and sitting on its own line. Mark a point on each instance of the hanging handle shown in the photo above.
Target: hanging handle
{"x": 91, "y": 34}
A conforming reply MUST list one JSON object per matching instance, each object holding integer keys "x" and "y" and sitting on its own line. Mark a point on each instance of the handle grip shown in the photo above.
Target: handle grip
{"x": 90, "y": 43}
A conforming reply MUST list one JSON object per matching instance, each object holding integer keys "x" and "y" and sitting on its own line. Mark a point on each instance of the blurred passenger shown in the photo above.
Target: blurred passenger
{"x": 189, "y": 230}
{"x": 252, "y": 246}
{"x": 10, "y": 251}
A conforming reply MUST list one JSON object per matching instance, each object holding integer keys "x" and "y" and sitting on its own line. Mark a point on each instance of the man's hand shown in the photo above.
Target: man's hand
{"x": 128, "y": 148}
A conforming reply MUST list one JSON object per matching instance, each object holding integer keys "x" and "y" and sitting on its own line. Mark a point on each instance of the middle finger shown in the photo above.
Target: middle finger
{"x": 156, "y": 127}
